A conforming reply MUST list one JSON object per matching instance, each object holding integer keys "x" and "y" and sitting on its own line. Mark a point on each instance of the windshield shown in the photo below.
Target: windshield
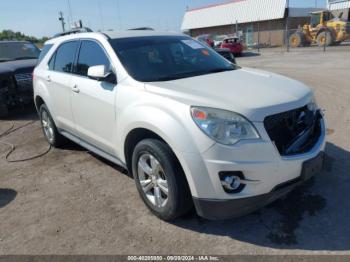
{"x": 10, "y": 51}
{"x": 165, "y": 58}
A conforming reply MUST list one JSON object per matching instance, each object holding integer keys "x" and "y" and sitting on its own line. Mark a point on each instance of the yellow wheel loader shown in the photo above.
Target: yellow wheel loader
{"x": 324, "y": 29}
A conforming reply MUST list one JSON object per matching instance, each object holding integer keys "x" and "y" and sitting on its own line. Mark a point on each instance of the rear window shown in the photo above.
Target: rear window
{"x": 43, "y": 53}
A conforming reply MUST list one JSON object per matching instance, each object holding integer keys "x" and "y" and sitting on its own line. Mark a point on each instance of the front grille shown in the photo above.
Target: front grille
{"x": 24, "y": 80}
{"x": 294, "y": 132}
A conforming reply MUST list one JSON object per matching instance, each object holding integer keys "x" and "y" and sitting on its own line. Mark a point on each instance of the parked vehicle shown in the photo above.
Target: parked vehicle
{"x": 226, "y": 53}
{"x": 208, "y": 39}
{"x": 192, "y": 128}
{"x": 218, "y": 39}
{"x": 17, "y": 62}
{"x": 234, "y": 44}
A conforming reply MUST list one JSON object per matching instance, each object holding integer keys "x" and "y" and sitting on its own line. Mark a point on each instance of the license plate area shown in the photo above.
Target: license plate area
{"x": 312, "y": 166}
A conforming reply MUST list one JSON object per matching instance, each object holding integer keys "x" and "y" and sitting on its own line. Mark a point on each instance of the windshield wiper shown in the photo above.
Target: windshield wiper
{"x": 219, "y": 70}
{"x": 191, "y": 74}
{"x": 179, "y": 76}
{"x": 25, "y": 57}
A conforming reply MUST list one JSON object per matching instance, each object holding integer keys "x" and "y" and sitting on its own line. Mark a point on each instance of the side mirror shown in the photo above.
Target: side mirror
{"x": 100, "y": 73}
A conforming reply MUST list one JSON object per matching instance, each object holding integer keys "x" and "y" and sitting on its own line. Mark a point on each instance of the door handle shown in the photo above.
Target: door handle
{"x": 48, "y": 79}
{"x": 75, "y": 89}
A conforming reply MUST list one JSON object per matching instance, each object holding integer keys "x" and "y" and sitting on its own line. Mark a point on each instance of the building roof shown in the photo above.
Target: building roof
{"x": 242, "y": 11}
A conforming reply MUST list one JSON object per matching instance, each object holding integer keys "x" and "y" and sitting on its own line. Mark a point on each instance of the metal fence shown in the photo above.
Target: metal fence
{"x": 288, "y": 40}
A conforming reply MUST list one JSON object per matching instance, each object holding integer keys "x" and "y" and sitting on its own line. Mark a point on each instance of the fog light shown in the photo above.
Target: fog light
{"x": 232, "y": 181}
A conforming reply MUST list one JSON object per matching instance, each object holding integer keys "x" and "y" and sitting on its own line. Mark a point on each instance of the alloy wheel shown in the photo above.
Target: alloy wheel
{"x": 153, "y": 180}
{"x": 48, "y": 126}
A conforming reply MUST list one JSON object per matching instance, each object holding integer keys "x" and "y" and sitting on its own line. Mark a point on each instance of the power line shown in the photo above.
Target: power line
{"x": 119, "y": 15}
{"x": 101, "y": 14}
{"x": 70, "y": 11}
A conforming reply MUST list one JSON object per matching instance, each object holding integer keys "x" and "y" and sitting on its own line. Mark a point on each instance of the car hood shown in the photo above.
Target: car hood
{"x": 252, "y": 93}
{"x": 12, "y": 67}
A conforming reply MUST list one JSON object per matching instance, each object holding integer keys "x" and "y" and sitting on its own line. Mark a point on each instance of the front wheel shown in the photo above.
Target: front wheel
{"x": 160, "y": 180}
{"x": 295, "y": 40}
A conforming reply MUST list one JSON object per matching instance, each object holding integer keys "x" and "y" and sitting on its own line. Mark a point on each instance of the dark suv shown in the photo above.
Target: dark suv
{"x": 17, "y": 62}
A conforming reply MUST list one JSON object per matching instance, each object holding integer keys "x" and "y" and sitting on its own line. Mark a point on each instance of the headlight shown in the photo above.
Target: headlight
{"x": 312, "y": 106}
{"x": 223, "y": 126}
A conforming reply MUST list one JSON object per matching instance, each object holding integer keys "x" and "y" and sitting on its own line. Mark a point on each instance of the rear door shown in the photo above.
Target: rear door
{"x": 93, "y": 102}
{"x": 59, "y": 78}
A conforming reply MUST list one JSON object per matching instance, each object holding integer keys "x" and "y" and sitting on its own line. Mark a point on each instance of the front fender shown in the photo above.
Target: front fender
{"x": 175, "y": 127}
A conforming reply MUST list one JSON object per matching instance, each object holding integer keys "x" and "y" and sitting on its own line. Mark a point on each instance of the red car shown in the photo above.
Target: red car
{"x": 208, "y": 39}
{"x": 234, "y": 45}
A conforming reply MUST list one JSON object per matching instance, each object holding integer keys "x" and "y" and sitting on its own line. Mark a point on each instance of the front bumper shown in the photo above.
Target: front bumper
{"x": 259, "y": 161}
{"x": 226, "y": 209}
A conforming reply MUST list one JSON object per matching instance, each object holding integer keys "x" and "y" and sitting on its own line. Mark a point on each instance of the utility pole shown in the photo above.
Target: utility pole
{"x": 61, "y": 19}
{"x": 287, "y": 25}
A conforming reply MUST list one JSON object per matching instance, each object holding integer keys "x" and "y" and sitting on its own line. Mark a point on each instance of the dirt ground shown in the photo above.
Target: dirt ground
{"x": 72, "y": 202}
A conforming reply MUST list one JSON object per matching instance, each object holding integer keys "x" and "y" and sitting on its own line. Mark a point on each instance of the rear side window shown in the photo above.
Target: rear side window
{"x": 43, "y": 53}
{"x": 91, "y": 54}
{"x": 64, "y": 57}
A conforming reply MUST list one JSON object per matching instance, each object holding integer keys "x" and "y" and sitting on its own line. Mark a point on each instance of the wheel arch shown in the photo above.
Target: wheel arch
{"x": 137, "y": 135}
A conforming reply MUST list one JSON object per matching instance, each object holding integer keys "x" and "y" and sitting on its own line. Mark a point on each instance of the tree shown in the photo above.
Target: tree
{"x": 11, "y": 35}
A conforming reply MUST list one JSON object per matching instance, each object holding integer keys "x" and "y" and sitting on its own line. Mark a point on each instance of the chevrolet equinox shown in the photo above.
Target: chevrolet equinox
{"x": 192, "y": 128}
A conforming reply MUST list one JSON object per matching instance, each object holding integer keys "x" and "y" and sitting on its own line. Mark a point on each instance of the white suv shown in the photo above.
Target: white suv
{"x": 192, "y": 128}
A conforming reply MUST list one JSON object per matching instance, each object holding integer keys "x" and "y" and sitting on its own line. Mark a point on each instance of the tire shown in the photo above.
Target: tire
{"x": 153, "y": 155}
{"x": 296, "y": 40}
{"x": 53, "y": 137}
{"x": 324, "y": 39}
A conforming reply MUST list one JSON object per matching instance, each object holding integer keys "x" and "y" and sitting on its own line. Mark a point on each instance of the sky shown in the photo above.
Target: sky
{"x": 40, "y": 17}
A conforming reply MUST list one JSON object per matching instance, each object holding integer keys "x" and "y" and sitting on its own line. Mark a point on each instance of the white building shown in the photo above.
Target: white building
{"x": 338, "y": 4}
{"x": 269, "y": 17}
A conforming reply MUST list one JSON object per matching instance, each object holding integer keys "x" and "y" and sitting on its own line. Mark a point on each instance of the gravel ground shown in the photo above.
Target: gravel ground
{"x": 72, "y": 202}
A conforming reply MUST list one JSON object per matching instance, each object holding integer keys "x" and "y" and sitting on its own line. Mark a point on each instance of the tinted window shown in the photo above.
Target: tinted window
{"x": 10, "y": 51}
{"x": 43, "y": 52}
{"x": 164, "y": 58}
{"x": 65, "y": 55}
{"x": 91, "y": 54}
{"x": 52, "y": 62}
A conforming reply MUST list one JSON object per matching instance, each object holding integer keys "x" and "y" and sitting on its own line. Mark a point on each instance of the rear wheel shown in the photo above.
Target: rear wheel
{"x": 51, "y": 133}
{"x": 324, "y": 39}
{"x": 160, "y": 180}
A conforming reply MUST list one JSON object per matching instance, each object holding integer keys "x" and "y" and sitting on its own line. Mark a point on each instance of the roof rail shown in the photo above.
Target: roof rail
{"x": 142, "y": 28}
{"x": 74, "y": 31}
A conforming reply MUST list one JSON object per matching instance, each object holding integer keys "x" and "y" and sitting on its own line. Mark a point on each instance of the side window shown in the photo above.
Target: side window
{"x": 64, "y": 57}
{"x": 52, "y": 62}
{"x": 43, "y": 52}
{"x": 91, "y": 54}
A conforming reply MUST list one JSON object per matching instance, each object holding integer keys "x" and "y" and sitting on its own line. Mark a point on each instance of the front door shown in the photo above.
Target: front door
{"x": 93, "y": 102}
